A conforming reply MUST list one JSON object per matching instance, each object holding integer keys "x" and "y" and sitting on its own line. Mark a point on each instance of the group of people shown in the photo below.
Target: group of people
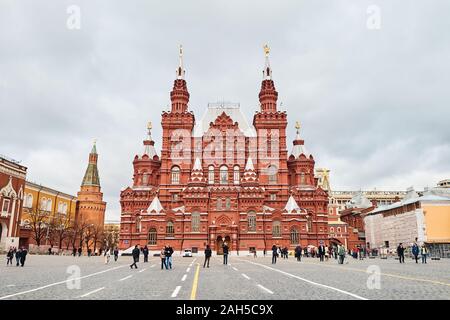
{"x": 20, "y": 255}
{"x": 166, "y": 257}
{"x": 415, "y": 250}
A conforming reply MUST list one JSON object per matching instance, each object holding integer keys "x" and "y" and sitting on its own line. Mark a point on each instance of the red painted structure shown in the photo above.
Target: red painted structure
{"x": 243, "y": 189}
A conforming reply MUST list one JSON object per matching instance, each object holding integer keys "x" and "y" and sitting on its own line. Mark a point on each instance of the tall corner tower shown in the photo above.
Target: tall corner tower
{"x": 90, "y": 205}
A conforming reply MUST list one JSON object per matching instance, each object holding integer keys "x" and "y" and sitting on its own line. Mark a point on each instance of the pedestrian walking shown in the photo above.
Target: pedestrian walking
{"x": 401, "y": 253}
{"x": 135, "y": 253}
{"x": 321, "y": 252}
{"x": 107, "y": 256}
{"x": 145, "y": 252}
{"x": 274, "y": 254}
{"x": 80, "y": 251}
{"x": 415, "y": 251}
{"x": 298, "y": 253}
{"x": 424, "y": 253}
{"x": 74, "y": 251}
{"x": 89, "y": 252}
{"x": 23, "y": 256}
{"x": 208, "y": 254}
{"x": 327, "y": 253}
{"x": 361, "y": 253}
{"x": 18, "y": 256}
{"x": 162, "y": 255}
{"x": 341, "y": 253}
{"x": 254, "y": 254}
{"x": 116, "y": 254}
{"x": 9, "y": 256}
{"x": 168, "y": 254}
{"x": 225, "y": 253}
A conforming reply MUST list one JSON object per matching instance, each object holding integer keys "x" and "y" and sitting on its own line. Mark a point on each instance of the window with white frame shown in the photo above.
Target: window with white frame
{"x": 236, "y": 175}
{"x": 5, "y": 206}
{"x": 152, "y": 237}
{"x": 294, "y": 236}
{"x": 223, "y": 175}
{"x": 211, "y": 174}
{"x": 170, "y": 229}
{"x": 175, "y": 175}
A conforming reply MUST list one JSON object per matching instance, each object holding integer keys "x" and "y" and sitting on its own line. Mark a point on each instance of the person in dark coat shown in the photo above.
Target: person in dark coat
{"x": 80, "y": 251}
{"x": 274, "y": 254}
{"x": 225, "y": 253}
{"x": 116, "y": 254}
{"x": 298, "y": 253}
{"x": 9, "y": 256}
{"x": 321, "y": 252}
{"x": 145, "y": 252}
{"x": 208, "y": 254}
{"x": 18, "y": 257}
{"x": 401, "y": 253}
{"x": 415, "y": 251}
{"x": 168, "y": 251}
{"x": 23, "y": 256}
{"x": 135, "y": 253}
{"x": 74, "y": 252}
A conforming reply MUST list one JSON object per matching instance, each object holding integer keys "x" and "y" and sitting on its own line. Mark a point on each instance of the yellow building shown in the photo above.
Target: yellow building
{"x": 47, "y": 205}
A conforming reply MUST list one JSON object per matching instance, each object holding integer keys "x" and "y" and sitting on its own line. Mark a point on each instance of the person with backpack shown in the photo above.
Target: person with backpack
{"x": 415, "y": 251}
{"x": 135, "y": 253}
{"x": 23, "y": 256}
{"x": 208, "y": 254}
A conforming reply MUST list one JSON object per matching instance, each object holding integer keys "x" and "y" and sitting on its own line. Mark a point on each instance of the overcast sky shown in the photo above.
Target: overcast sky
{"x": 374, "y": 103}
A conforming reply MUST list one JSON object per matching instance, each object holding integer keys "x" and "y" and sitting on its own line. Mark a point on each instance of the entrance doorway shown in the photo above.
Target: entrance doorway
{"x": 220, "y": 242}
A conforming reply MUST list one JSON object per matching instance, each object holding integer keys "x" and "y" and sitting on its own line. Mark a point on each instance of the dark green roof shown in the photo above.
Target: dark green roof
{"x": 91, "y": 177}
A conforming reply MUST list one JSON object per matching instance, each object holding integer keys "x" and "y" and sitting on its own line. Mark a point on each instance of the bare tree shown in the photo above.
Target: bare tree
{"x": 38, "y": 225}
{"x": 61, "y": 228}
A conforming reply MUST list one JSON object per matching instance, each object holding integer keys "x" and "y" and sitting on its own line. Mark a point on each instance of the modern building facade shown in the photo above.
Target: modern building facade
{"x": 221, "y": 180}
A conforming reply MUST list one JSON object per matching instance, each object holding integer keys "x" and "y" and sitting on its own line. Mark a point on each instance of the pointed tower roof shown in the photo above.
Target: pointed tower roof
{"x": 250, "y": 177}
{"x": 155, "y": 206}
{"x": 91, "y": 177}
{"x": 149, "y": 144}
{"x": 197, "y": 177}
{"x": 299, "y": 144}
{"x": 292, "y": 206}
{"x": 268, "y": 96}
{"x": 179, "y": 94}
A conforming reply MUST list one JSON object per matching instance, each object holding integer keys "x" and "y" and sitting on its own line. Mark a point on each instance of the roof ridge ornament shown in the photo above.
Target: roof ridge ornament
{"x": 180, "y": 70}
{"x": 267, "y": 72}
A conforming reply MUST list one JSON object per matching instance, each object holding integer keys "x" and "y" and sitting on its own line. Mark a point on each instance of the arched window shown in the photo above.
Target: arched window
{"x": 145, "y": 178}
{"x": 331, "y": 229}
{"x": 276, "y": 229}
{"x": 228, "y": 203}
{"x": 169, "y": 229}
{"x": 339, "y": 229}
{"x": 219, "y": 204}
{"x": 152, "y": 237}
{"x": 294, "y": 236}
{"x": 195, "y": 222}
{"x": 223, "y": 175}
{"x": 64, "y": 209}
{"x": 43, "y": 204}
{"x": 211, "y": 174}
{"x": 272, "y": 172}
{"x": 29, "y": 201}
{"x": 251, "y": 218}
{"x": 236, "y": 175}
{"x": 175, "y": 175}
{"x": 49, "y": 205}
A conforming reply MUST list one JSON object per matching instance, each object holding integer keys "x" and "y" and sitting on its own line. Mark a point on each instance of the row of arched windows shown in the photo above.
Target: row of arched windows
{"x": 276, "y": 229}
{"x": 45, "y": 204}
{"x": 272, "y": 172}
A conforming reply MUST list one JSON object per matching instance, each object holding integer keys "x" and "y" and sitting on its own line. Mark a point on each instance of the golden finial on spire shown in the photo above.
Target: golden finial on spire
{"x": 297, "y": 125}
{"x": 149, "y": 125}
{"x": 266, "y": 50}
{"x": 181, "y": 50}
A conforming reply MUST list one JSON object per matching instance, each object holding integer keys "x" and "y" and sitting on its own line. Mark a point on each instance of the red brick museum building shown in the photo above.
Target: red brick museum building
{"x": 220, "y": 179}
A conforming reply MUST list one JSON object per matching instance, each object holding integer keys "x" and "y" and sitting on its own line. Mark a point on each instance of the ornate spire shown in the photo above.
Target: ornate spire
{"x": 299, "y": 147}
{"x": 268, "y": 96}
{"x": 180, "y": 69}
{"x": 91, "y": 177}
{"x": 179, "y": 94}
{"x": 149, "y": 144}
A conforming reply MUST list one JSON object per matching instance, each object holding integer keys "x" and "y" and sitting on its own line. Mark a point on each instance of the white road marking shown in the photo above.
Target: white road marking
{"x": 184, "y": 277}
{"x": 234, "y": 269}
{"x": 11, "y": 285}
{"x": 89, "y": 293}
{"x": 127, "y": 277}
{"x": 188, "y": 269}
{"x": 175, "y": 292}
{"x": 309, "y": 281}
{"x": 142, "y": 270}
{"x": 245, "y": 276}
{"x": 265, "y": 289}
{"x": 60, "y": 282}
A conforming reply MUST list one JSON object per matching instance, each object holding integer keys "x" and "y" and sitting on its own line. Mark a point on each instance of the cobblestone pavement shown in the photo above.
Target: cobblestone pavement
{"x": 71, "y": 278}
